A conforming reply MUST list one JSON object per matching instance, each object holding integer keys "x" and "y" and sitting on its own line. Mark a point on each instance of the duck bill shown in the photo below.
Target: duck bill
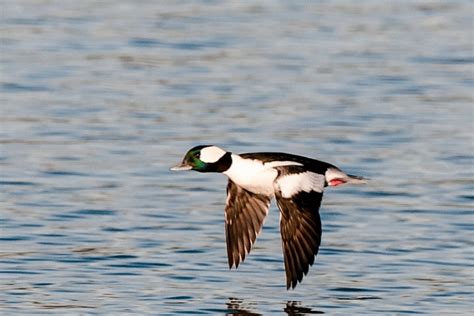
{"x": 181, "y": 167}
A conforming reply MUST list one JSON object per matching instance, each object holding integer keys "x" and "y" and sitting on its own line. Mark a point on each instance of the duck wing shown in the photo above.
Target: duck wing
{"x": 245, "y": 213}
{"x": 299, "y": 193}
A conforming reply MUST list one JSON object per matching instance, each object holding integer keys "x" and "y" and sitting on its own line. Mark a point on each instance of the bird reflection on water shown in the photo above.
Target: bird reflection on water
{"x": 294, "y": 308}
{"x": 237, "y": 306}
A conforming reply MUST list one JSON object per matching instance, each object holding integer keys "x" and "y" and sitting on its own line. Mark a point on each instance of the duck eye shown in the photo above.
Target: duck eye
{"x": 197, "y": 155}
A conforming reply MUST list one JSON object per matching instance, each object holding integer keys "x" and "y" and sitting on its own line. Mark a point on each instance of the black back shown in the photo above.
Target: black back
{"x": 309, "y": 163}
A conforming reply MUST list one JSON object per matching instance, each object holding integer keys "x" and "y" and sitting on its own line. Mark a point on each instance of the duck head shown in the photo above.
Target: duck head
{"x": 205, "y": 158}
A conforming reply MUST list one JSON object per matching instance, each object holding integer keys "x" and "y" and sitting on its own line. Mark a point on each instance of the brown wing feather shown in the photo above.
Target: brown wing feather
{"x": 300, "y": 227}
{"x": 244, "y": 215}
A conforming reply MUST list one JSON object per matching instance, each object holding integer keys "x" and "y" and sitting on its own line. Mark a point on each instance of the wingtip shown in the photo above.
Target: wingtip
{"x": 233, "y": 264}
{"x": 291, "y": 285}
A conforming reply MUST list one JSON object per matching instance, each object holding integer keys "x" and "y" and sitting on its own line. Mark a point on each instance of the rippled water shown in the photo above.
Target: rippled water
{"x": 98, "y": 99}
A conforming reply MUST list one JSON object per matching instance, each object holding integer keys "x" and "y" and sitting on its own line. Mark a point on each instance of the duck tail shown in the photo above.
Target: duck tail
{"x": 356, "y": 179}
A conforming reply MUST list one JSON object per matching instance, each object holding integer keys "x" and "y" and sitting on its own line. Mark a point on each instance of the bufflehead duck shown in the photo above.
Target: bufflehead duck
{"x": 296, "y": 182}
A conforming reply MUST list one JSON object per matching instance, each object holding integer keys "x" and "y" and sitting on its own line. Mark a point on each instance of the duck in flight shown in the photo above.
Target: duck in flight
{"x": 296, "y": 182}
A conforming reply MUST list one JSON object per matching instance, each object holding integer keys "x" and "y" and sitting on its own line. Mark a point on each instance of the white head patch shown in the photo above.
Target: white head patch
{"x": 211, "y": 154}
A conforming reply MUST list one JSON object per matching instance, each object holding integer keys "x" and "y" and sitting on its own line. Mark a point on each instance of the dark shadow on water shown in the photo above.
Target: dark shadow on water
{"x": 237, "y": 306}
{"x": 295, "y": 308}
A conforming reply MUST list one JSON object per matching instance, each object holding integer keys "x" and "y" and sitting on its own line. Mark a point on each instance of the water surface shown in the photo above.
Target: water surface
{"x": 99, "y": 99}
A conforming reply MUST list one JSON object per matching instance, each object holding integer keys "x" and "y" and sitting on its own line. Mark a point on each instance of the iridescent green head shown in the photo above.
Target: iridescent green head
{"x": 205, "y": 158}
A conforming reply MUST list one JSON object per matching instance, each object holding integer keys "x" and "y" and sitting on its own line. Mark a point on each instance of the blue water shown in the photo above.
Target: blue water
{"x": 99, "y": 99}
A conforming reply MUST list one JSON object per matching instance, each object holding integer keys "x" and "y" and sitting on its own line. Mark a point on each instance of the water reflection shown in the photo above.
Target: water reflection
{"x": 295, "y": 308}
{"x": 237, "y": 306}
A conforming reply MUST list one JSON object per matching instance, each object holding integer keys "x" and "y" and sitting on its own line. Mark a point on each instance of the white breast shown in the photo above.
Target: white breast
{"x": 255, "y": 176}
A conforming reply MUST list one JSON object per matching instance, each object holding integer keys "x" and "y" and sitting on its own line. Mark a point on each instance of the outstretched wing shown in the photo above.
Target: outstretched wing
{"x": 244, "y": 215}
{"x": 298, "y": 193}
